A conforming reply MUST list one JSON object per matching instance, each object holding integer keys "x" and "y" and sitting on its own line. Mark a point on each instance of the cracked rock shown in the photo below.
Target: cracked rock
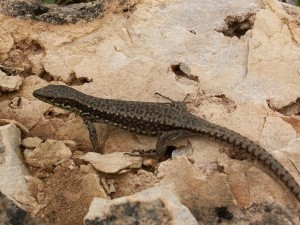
{"x": 112, "y": 163}
{"x": 9, "y": 83}
{"x": 12, "y": 170}
{"x": 31, "y": 142}
{"x": 47, "y": 153}
{"x": 156, "y": 205}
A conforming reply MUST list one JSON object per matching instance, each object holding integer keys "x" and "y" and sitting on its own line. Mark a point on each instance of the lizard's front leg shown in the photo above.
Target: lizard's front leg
{"x": 93, "y": 133}
{"x": 168, "y": 136}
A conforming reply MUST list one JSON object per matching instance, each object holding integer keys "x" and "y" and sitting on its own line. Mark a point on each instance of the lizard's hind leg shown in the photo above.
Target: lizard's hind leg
{"x": 177, "y": 104}
{"x": 93, "y": 133}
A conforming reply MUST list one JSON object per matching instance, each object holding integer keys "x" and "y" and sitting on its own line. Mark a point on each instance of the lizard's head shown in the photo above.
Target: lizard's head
{"x": 58, "y": 95}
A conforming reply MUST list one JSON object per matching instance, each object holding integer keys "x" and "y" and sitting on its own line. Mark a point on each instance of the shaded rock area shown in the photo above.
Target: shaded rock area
{"x": 153, "y": 206}
{"x": 52, "y": 14}
{"x": 235, "y": 63}
{"x": 11, "y": 214}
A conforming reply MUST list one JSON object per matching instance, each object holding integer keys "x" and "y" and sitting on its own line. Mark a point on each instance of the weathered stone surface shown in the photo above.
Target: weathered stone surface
{"x": 11, "y": 214}
{"x": 27, "y": 201}
{"x": 12, "y": 170}
{"x": 273, "y": 60}
{"x": 31, "y": 142}
{"x": 153, "y": 206}
{"x": 276, "y": 134}
{"x": 47, "y": 153}
{"x": 113, "y": 162}
{"x": 245, "y": 55}
{"x": 9, "y": 83}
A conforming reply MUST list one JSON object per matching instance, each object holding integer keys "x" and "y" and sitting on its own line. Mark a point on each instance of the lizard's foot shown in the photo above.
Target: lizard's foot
{"x": 142, "y": 153}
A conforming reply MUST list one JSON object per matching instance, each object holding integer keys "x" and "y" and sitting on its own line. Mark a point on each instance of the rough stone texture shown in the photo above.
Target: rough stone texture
{"x": 112, "y": 163}
{"x": 218, "y": 195}
{"x": 47, "y": 153}
{"x": 9, "y": 83}
{"x": 67, "y": 194}
{"x": 153, "y": 206}
{"x": 31, "y": 142}
{"x": 11, "y": 214}
{"x": 12, "y": 169}
{"x": 31, "y": 9}
{"x": 245, "y": 56}
{"x": 276, "y": 134}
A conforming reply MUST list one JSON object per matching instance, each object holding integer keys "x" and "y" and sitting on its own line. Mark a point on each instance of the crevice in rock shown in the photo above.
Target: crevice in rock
{"x": 169, "y": 150}
{"x": 182, "y": 70}
{"x": 18, "y": 61}
{"x": 292, "y": 109}
{"x": 46, "y": 76}
{"x": 237, "y": 26}
{"x": 223, "y": 214}
{"x": 77, "y": 81}
{"x": 229, "y": 104}
{"x": 51, "y": 114}
{"x": 73, "y": 80}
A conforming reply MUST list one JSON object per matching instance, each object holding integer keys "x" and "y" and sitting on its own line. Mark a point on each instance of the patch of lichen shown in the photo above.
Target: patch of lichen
{"x": 65, "y": 2}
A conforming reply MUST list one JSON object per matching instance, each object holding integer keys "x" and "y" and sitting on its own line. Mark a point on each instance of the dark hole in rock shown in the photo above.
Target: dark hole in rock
{"x": 291, "y": 109}
{"x": 40, "y": 10}
{"x": 237, "y": 25}
{"x": 46, "y": 76}
{"x": 169, "y": 150}
{"x": 77, "y": 81}
{"x": 223, "y": 213}
{"x": 182, "y": 70}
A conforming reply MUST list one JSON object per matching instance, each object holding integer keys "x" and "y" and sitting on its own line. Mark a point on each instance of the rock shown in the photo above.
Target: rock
{"x": 276, "y": 134}
{"x": 68, "y": 194}
{"x": 12, "y": 170}
{"x": 153, "y": 206}
{"x": 184, "y": 150}
{"x": 9, "y": 83}
{"x": 31, "y": 142}
{"x": 27, "y": 201}
{"x": 47, "y": 153}
{"x": 112, "y": 163}
{"x": 22, "y": 128}
{"x": 11, "y": 214}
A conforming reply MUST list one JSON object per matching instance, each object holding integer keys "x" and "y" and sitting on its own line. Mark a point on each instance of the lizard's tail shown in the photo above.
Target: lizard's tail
{"x": 260, "y": 154}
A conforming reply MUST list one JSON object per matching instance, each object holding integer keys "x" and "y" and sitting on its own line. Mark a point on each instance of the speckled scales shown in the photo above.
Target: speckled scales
{"x": 167, "y": 121}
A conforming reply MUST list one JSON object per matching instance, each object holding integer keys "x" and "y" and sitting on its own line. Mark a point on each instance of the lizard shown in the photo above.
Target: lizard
{"x": 167, "y": 121}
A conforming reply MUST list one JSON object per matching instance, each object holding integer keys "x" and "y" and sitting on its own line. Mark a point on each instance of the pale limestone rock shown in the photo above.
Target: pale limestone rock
{"x": 9, "y": 83}
{"x": 276, "y": 134}
{"x": 31, "y": 142}
{"x": 292, "y": 153}
{"x": 273, "y": 60}
{"x": 92, "y": 185}
{"x": 112, "y": 163}
{"x": 27, "y": 201}
{"x": 156, "y": 205}
{"x": 47, "y": 153}
{"x": 12, "y": 169}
